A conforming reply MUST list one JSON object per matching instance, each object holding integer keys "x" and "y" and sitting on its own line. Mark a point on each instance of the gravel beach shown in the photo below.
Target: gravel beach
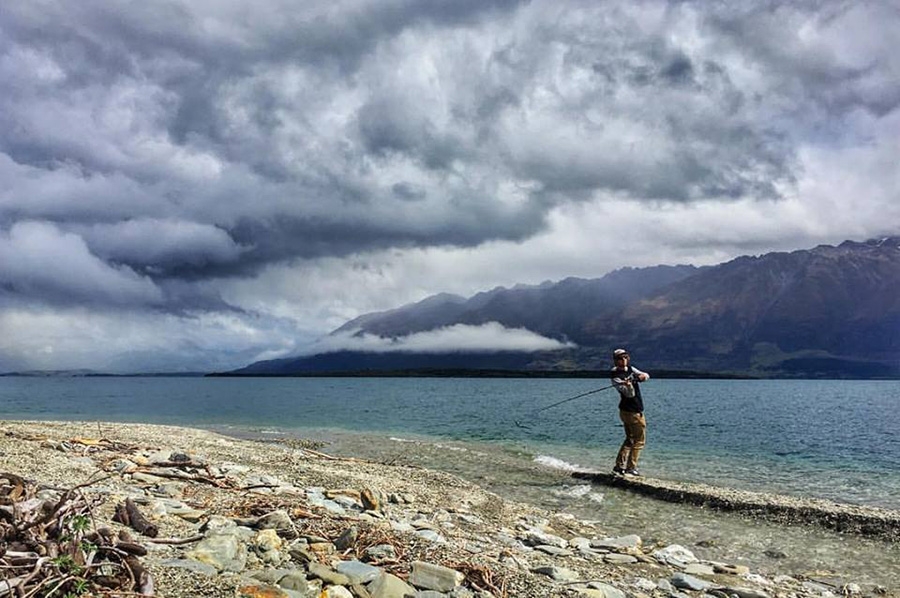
{"x": 238, "y": 517}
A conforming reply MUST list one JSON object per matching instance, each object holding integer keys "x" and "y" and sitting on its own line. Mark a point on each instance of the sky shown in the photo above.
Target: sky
{"x": 195, "y": 185}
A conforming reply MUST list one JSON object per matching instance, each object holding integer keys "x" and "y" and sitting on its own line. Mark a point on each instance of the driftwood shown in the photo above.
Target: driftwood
{"x": 128, "y": 514}
{"x": 49, "y": 548}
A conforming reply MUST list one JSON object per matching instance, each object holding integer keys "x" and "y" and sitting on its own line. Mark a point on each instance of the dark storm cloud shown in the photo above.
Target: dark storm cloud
{"x": 145, "y": 147}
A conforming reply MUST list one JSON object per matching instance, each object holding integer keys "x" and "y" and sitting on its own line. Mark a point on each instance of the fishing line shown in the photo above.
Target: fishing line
{"x": 584, "y": 394}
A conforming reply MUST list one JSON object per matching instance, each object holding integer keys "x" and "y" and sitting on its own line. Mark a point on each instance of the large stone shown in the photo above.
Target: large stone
{"x": 675, "y": 555}
{"x": 336, "y": 592}
{"x": 267, "y": 540}
{"x": 620, "y": 544}
{"x": 294, "y": 581}
{"x": 327, "y": 574}
{"x": 370, "y": 499}
{"x": 557, "y": 573}
{"x": 380, "y": 552}
{"x": 699, "y": 569}
{"x": 225, "y": 552}
{"x": 278, "y": 520}
{"x": 689, "y": 582}
{"x": 347, "y": 538}
{"x": 390, "y": 586}
{"x": 358, "y": 572}
{"x": 429, "y": 576}
{"x": 536, "y": 537}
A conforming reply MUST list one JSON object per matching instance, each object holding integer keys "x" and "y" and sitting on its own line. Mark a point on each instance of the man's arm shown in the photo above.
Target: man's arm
{"x": 642, "y": 376}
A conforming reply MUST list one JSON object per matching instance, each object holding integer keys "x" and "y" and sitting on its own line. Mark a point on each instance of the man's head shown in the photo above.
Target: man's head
{"x": 620, "y": 356}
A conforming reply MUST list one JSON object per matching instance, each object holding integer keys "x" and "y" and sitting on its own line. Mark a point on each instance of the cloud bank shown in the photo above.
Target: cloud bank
{"x": 488, "y": 337}
{"x": 290, "y": 167}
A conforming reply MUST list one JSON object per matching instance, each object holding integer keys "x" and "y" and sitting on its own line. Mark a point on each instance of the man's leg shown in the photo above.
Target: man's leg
{"x": 636, "y": 432}
{"x": 625, "y": 450}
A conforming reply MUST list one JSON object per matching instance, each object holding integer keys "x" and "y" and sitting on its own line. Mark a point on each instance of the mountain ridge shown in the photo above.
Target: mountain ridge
{"x": 829, "y": 311}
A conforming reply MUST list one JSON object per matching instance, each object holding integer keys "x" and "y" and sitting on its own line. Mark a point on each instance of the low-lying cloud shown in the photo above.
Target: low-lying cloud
{"x": 487, "y": 337}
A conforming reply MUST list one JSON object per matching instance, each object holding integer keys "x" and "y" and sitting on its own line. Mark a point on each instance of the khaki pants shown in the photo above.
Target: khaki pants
{"x": 635, "y": 437}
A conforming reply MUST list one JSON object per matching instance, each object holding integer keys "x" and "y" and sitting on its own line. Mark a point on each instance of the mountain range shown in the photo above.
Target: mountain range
{"x": 829, "y": 311}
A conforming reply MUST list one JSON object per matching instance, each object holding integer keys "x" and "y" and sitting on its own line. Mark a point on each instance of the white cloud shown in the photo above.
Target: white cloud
{"x": 488, "y": 337}
{"x": 39, "y": 260}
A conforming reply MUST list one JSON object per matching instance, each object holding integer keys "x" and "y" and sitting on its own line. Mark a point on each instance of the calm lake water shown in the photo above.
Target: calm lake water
{"x": 835, "y": 440}
{"x": 830, "y": 439}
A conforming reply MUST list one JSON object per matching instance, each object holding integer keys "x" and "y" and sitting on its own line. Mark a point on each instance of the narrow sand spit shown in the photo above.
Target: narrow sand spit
{"x": 853, "y": 519}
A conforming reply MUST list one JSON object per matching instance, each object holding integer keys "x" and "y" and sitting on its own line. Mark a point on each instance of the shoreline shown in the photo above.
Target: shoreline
{"x": 477, "y": 527}
{"x": 866, "y": 521}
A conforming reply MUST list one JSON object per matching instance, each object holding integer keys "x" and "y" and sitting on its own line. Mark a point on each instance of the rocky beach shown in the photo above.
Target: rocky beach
{"x": 133, "y": 509}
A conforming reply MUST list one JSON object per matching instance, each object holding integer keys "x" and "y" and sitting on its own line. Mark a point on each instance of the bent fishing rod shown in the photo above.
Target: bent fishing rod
{"x": 584, "y": 394}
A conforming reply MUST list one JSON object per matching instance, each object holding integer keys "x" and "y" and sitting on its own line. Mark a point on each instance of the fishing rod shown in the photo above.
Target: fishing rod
{"x": 584, "y": 394}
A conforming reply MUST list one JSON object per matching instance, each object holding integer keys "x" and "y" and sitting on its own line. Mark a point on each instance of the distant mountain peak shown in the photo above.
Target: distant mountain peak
{"x": 825, "y": 311}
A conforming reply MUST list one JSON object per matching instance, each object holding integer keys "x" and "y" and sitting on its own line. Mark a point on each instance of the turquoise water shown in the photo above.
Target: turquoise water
{"x": 830, "y": 439}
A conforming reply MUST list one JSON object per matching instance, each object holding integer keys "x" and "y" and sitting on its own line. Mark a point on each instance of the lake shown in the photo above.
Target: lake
{"x": 829, "y": 439}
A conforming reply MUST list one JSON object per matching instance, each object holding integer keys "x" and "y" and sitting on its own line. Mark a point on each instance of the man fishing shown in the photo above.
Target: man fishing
{"x": 627, "y": 378}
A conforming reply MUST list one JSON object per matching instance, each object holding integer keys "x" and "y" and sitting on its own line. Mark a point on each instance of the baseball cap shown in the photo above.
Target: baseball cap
{"x": 619, "y": 353}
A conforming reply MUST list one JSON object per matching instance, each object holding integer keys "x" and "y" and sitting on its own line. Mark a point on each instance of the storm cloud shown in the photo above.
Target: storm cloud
{"x": 277, "y": 168}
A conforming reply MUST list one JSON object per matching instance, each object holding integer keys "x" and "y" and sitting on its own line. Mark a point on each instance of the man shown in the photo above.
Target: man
{"x": 627, "y": 379}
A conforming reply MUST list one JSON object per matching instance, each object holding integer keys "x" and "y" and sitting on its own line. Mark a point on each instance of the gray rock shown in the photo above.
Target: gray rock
{"x": 689, "y": 582}
{"x": 295, "y": 581}
{"x": 381, "y": 552}
{"x": 390, "y": 586}
{"x": 277, "y": 520}
{"x": 622, "y": 543}
{"x": 428, "y": 576}
{"x": 675, "y": 555}
{"x": 665, "y": 585}
{"x": 746, "y": 593}
{"x": 347, "y": 538}
{"x": 536, "y": 537}
{"x": 327, "y": 574}
{"x": 224, "y": 551}
{"x": 699, "y": 569}
{"x": 336, "y": 592}
{"x": 580, "y": 542}
{"x": 557, "y": 573}
{"x": 357, "y": 571}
